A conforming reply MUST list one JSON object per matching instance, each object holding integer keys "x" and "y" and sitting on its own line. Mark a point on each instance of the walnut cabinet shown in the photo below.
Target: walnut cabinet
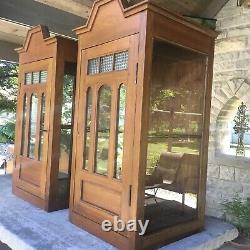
{"x": 44, "y": 117}
{"x": 141, "y": 123}
{"x": 132, "y": 136}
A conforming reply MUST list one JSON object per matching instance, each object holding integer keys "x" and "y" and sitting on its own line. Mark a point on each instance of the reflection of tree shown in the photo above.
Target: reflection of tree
{"x": 67, "y": 104}
{"x": 104, "y": 108}
{"x": 175, "y": 122}
{"x": 182, "y": 100}
{"x": 66, "y": 140}
{"x": 163, "y": 96}
{"x": 104, "y": 120}
{"x": 67, "y": 112}
{"x": 175, "y": 110}
{"x": 120, "y": 130}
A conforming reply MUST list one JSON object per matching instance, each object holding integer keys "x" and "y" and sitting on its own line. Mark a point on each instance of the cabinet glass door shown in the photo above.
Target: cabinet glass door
{"x": 104, "y": 147}
{"x": 32, "y": 119}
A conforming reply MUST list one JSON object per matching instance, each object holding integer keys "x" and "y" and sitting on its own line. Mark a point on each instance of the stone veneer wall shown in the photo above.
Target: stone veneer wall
{"x": 228, "y": 175}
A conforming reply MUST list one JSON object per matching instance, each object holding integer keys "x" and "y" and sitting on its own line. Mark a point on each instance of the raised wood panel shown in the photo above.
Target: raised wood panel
{"x": 94, "y": 194}
{"x": 30, "y": 172}
{"x": 101, "y": 180}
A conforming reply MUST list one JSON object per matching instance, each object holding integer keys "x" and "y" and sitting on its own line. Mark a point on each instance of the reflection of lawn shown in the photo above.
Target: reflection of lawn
{"x": 101, "y": 160}
{"x": 101, "y": 166}
{"x": 157, "y": 146}
{"x": 160, "y": 145}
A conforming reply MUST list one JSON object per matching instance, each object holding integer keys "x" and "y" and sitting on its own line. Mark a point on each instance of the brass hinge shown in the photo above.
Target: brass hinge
{"x": 136, "y": 73}
{"x": 130, "y": 195}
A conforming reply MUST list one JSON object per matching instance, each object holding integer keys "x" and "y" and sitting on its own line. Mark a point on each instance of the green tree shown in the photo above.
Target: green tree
{"x": 8, "y": 98}
{"x": 8, "y": 86}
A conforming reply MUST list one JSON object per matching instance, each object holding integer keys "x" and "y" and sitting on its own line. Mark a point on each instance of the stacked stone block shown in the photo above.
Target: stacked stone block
{"x": 227, "y": 174}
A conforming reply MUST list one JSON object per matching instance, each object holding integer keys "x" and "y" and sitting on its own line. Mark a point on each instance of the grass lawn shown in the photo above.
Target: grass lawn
{"x": 158, "y": 145}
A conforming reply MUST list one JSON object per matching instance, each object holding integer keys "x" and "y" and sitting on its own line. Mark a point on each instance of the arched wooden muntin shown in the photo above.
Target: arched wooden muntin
{"x": 43, "y": 62}
{"x": 114, "y": 27}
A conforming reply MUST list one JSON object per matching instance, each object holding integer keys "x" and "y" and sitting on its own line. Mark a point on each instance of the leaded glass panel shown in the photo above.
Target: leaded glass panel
{"x": 35, "y": 77}
{"x": 93, "y": 66}
{"x": 28, "y": 78}
{"x": 43, "y": 76}
{"x": 106, "y": 63}
{"x": 121, "y": 60}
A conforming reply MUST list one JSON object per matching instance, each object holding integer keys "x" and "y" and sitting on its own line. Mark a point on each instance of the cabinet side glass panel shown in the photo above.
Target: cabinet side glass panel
{"x": 174, "y": 136}
{"x": 66, "y": 121}
{"x": 42, "y": 128}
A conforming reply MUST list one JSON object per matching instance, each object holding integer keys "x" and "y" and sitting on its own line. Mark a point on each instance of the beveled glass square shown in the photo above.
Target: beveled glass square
{"x": 93, "y": 66}
{"x": 106, "y": 63}
{"x": 43, "y": 76}
{"x": 35, "y": 77}
{"x": 28, "y": 78}
{"x": 121, "y": 60}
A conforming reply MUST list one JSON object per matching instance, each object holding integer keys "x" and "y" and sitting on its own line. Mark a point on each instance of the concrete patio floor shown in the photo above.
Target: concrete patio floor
{"x": 25, "y": 227}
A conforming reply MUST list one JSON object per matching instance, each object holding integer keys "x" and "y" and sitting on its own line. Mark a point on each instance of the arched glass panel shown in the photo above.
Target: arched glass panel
{"x": 120, "y": 131}
{"x": 103, "y": 130}
{"x": 32, "y": 125}
{"x": 23, "y": 123}
{"x": 42, "y": 121}
{"x": 88, "y": 112}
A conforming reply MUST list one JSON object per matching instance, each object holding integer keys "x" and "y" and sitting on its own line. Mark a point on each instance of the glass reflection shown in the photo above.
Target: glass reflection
{"x": 88, "y": 112}
{"x": 103, "y": 130}
{"x": 32, "y": 125}
{"x": 174, "y": 136}
{"x": 24, "y": 123}
{"x": 120, "y": 131}
{"x": 65, "y": 152}
{"x": 67, "y": 103}
{"x": 66, "y": 125}
{"x": 42, "y": 121}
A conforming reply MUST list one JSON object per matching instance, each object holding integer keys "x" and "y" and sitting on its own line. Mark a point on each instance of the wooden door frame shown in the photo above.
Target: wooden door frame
{"x": 39, "y": 192}
{"x": 131, "y": 44}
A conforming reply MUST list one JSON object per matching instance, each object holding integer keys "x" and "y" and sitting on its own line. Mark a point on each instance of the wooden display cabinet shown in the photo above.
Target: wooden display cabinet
{"x": 142, "y": 121}
{"x": 47, "y": 69}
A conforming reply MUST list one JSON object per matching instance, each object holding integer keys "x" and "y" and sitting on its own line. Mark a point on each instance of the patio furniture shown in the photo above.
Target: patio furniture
{"x": 175, "y": 172}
